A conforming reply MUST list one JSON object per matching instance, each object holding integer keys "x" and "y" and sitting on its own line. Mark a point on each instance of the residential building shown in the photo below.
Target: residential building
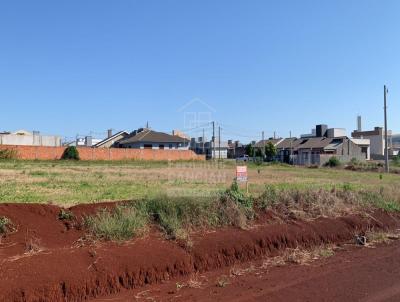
{"x": 316, "y": 150}
{"x": 26, "y": 138}
{"x": 149, "y": 139}
{"x": 377, "y": 139}
{"x": 211, "y": 149}
{"x": 112, "y": 140}
{"x": 235, "y": 149}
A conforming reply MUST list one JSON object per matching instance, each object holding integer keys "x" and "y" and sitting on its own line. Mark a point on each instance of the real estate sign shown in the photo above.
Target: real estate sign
{"x": 241, "y": 173}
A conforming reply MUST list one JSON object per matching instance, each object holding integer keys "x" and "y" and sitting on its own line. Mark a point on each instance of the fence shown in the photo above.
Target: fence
{"x": 321, "y": 159}
{"x": 85, "y": 153}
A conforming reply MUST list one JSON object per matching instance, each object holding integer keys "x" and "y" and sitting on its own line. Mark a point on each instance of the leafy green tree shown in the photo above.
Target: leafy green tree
{"x": 71, "y": 153}
{"x": 270, "y": 151}
{"x": 250, "y": 150}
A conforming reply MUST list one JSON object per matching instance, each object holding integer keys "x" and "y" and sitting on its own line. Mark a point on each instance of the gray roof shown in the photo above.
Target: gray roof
{"x": 320, "y": 143}
{"x": 150, "y": 136}
{"x": 124, "y": 133}
{"x": 288, "y": 143}
{"x": 264, "y": 142}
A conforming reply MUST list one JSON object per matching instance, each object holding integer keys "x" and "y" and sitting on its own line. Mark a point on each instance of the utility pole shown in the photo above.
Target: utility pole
{"x": 290, "y": 153}
{"x": 203, "y": 140}
{"x": 219, "y": 142}
{"x": 213, "y": 141}
{"x": 385, "y": 91}
{"x": 263, "y": 139}
{"x": 274, "y": 134}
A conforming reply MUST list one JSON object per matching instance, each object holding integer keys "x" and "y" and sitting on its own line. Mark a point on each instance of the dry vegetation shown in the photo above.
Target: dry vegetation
{"x": 68, "y": 183}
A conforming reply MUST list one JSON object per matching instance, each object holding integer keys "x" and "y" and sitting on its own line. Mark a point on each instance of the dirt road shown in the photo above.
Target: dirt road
{"x": 352, "y": 274}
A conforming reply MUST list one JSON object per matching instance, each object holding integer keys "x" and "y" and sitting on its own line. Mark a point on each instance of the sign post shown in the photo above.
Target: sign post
{"x": 242, "y": 176}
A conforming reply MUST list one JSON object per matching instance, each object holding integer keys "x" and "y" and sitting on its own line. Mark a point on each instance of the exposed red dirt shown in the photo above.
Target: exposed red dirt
{"x": 353, "y": 274}
{"x": 59, "y": 268}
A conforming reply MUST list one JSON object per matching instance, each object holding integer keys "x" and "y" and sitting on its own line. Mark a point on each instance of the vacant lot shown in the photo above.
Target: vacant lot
{"x": 68, "y": 183}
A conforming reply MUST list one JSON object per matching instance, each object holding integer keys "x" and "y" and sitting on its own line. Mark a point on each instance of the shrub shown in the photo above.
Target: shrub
{"x": 6, "y": 226}
{"x": 237, "y": 195}
{"x": 122, "y": 223}
{"x": 8, "y": 154}
{"x": 333, "y": 162}
{"x": 65, "y": 215}
{"x": 71, "y": 152}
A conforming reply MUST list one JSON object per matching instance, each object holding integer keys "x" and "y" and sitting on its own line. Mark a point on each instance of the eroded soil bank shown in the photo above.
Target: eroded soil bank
{"x": 46, "y": 260}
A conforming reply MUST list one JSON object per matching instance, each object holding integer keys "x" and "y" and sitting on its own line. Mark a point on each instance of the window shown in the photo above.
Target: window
{"x": 148, "y": 146}
{"x": 170, "y": 146}
{"x": 161, "y": 147}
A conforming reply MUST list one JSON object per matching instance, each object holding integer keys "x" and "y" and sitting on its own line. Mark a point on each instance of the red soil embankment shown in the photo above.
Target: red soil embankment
{"x": 62, "y": 269}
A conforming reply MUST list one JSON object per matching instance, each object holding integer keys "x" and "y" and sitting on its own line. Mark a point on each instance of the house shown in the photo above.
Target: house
{"x": 112, "y": 139}
{"x": 262, "y": 143}
{"x": 377, "y": 139}
{"x": 285, "y": 149}
{"x": 316, "y": 150}
{"x": 211, "y": 149}
{"x": 145, "y": 138}
{"x": 235, "y": 149}
{"x": 26, "y": 138}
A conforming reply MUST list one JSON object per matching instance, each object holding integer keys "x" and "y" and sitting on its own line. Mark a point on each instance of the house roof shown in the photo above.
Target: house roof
{"x": 104, "y": 141}
{"x": 150, "y": 136}
{"x": 288, "y": 143}
{"x": 262, "y": 143}
{"x": 315, "y": 143}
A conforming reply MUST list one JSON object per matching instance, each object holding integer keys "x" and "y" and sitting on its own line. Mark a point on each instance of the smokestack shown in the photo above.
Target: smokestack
{"x": 109, "y": 133}
{"x": 359, "y": 128}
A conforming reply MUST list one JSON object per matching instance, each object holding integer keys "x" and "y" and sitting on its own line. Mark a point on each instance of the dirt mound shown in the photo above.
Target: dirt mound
{"x": 64, "y": 270}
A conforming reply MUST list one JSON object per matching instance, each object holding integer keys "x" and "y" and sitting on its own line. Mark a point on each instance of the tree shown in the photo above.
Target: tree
{"x": 250, "y": 150}
{"x": 270, "y": 151}
{"x": 71, "y": 153}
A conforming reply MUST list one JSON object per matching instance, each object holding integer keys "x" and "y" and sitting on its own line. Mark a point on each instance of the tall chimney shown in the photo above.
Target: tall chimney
{"x": 109, "y": 133}
{"x": 359, "y": 128}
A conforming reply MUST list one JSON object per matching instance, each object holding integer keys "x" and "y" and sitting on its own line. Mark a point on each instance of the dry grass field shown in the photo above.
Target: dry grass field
{"x": 72, "y": 182}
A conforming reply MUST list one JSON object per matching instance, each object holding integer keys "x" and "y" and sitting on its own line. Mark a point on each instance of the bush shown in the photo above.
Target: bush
{"x": 8, "y": 154}
{"x": 71, "y": 153}
{"x": 122, "y": 223}
{"x": 333, "y": 162}
{"x": 65, "y": 215}
{"x": 6, "y": 226}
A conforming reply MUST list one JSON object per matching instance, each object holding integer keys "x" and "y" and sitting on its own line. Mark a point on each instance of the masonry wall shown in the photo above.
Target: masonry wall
{"x": 54, "y": 153}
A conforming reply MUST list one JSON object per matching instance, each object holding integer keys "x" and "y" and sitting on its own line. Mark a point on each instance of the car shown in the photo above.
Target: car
{"x": 243, "y": 158}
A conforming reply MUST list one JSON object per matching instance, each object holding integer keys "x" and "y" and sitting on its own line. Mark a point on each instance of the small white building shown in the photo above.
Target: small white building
{"x": 26, "y": 138}
{"x": 377, "y": 140}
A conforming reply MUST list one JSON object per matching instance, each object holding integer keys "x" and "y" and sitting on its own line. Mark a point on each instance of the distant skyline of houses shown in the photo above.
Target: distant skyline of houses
{"x": 312, "y": 148}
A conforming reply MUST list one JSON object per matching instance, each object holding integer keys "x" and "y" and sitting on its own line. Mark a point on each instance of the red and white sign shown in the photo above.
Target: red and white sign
{"x": 241, "y": 173}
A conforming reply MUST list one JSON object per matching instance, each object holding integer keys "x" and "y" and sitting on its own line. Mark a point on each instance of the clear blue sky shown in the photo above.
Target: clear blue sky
{"x": 77, "y": 66}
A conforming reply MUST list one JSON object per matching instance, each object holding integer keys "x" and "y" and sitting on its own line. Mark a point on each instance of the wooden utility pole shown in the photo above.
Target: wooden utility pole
{"x": 385, "y": 91}
{"x": 213, "y": 141}
{"x": 203, "y": 140}
{"x": 219, "y": 142}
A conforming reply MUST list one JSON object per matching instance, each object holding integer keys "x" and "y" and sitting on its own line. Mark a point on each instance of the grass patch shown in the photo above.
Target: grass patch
{"x": 176, "y": 217}
{"x": 122, "y": 223}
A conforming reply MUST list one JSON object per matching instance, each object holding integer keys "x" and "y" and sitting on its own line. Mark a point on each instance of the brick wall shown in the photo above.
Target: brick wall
{"x": 51, "y": 153}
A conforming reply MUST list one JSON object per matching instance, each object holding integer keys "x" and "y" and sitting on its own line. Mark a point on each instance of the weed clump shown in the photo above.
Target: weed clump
{"x": 333, "y": 162}
{"x": 6, "y": 226}
{"x": 122, "y": 223}
{"x": 8, "y": 154}
{"x": 65, "y": 215}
